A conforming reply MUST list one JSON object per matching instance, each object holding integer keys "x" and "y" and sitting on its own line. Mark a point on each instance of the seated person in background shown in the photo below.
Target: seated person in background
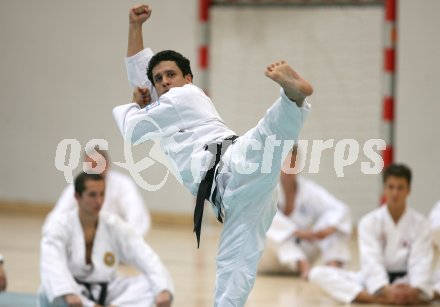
{"x": 434, "y": 219}
{"x": 310, "y": 221}
{"x": 121, "y": 196}
{"x": 395, "y": 248}
{"x": 81, "y": 251}
{"x": 3, "y": 281}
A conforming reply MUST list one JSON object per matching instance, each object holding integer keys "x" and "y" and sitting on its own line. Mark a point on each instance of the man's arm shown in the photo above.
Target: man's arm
{"x": 332, "y": 214}
{"x": 57, "y": 280}
{"x": 420, "y": 263}
{"x": 389, "y": 295}
{"x": 133, "y": 250}
{"x": 371, "y": 254}
{"x": 138, "y": 58}
{"x": 164, "y": 299}
{"x": 434, "y": 220}
{"x": 137, "y": 16}
{"x": 136, "y": 213}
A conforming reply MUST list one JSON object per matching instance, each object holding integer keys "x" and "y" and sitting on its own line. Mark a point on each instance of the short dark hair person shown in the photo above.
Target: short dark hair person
{"x": 397, "y": 170}
{"x": 169, "y": 55}
{"x": 81, "y": 179}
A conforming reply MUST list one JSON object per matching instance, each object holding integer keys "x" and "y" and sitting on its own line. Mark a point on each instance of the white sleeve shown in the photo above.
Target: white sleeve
{"x": 135, "y": 251}
{"x": 334, "y": 213}
{"x": 421, "y": 259}
{"x": 156, "y": 120}
{"x": 56, "y": 277}
{"x": 135, "y": 211}
{"x": 371, "y": 255}
{"x": 434, "y": 220}
{"x": 282, "y": 228}
{"x": 136, "y": 66}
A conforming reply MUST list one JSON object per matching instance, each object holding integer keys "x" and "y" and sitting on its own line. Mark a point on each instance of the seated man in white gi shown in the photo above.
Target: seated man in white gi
{"x": 396, "y": 254}
{"x": 81, "y": 250}
{"x": 434, "y": 219}
{"x": 3, "y": 280}
{"x": 309, "y": 220}
{"x": 121, "y": 195}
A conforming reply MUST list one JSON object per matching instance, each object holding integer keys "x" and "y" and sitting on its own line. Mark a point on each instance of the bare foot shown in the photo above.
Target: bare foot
{"x": 295, "y": 87}
{"x": 304, "y": 269}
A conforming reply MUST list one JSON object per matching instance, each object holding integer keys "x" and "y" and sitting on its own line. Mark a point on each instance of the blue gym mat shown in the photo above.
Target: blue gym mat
{"x": 13, "y": 299}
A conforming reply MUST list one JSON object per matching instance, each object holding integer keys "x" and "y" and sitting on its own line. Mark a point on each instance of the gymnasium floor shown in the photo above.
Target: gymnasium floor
{"x": 193, "y": 270}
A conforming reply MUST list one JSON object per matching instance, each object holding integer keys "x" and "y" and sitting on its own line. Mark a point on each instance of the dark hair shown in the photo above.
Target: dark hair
{"x": 169, "y": 55}
{"x": 81, "y": 179}
{"x": 397, "y": 170}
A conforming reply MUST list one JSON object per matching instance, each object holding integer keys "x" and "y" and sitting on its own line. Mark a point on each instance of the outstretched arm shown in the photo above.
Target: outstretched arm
{"x": 137, "y": 16}
{"x": 137, "y": 58}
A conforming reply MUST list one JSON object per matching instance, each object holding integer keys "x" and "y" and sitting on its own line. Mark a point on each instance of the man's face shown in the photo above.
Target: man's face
{"x": 396, "y": 190}
{"x": 167, "y": 75}
{"x": 92, "y": 198}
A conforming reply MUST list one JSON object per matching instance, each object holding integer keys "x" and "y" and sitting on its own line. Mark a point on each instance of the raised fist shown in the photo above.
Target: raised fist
{"x": 139, "y": 14}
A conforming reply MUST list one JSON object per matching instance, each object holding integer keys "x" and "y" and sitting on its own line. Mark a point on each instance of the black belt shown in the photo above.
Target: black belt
{"x": 204, "y": 191}
{"x": 89, "y": 295}
{"x": 392, "y": 276}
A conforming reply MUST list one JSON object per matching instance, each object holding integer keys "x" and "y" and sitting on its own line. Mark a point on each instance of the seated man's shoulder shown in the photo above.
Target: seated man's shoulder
{"x": 120, "y": 178}
{"x": 109, "y": 218}
{"x": 373, "y": 216}
{"x": 69, "y": 188}
{"x": 417, "y": 216}
{"x": 60, "y": 223}
{"x": 436, "y": 206}
{"x": 113, "y": 222}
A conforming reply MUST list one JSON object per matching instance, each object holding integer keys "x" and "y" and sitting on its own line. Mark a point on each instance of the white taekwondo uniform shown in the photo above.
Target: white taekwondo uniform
{"x": 121, "y": 198}
{"x": 64, "y": 267}
{"x": 384, "y": 247}
{"x": 434, "y": 220}
{"x": 314, "y": 209}
{"x": 184, "y": 119}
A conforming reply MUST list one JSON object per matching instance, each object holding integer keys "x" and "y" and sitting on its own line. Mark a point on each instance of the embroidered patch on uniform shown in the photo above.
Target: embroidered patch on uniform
{"x": 109, "y": 259}
{"x": 152, "y": 105}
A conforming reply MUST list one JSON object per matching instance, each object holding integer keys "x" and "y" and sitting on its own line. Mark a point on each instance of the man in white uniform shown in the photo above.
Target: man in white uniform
{"x": 395, "y": 247}
{"x": 121, "y": 195}
{"x": 80, "y": 253}
{"x": 309, "y": 221}
{"x": 185, "y": 120}
{"x": 3, "y": 280}
{"x": 434, "y": 219}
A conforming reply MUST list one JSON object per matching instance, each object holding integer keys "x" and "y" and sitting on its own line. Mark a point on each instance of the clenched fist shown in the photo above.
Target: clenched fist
{"x": 139, "y": 14}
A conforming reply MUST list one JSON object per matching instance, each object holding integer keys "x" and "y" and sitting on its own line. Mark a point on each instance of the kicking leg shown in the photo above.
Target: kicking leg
{"x": 295, "y": 87}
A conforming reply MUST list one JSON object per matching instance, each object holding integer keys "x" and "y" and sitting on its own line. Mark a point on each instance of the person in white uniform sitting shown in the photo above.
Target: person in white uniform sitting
{"x": 434, "y": 220}
{"x": 232, "y": 173}
{"x": 121, "y": 195}
{"x": 81, "y": 251}
{"x": 309, "y": 221}
{"x": 395, "y": 248}
{"x": 3, "y": 279}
